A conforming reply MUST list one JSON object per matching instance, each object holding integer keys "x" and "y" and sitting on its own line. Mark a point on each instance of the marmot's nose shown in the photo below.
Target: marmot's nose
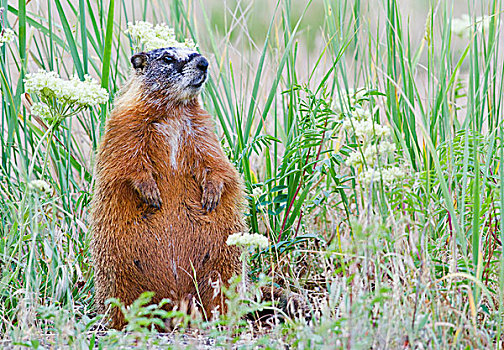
{"x": 202, "y": 63}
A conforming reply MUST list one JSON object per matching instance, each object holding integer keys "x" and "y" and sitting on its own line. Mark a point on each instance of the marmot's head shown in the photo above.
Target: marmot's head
{"x": 174, "y": 74}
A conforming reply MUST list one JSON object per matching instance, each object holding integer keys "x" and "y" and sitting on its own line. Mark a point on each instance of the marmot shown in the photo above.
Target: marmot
{"x": 166, "y": 196}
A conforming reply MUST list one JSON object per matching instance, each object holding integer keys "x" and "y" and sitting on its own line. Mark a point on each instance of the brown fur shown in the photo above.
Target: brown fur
{"x": 166, "y": 200}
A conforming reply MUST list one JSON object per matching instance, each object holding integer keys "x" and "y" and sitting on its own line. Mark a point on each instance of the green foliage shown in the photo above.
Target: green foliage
{"x": 142, "y": 314}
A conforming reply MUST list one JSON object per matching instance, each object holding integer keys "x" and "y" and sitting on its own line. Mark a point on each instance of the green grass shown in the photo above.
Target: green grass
{"x": 418, "y": 262}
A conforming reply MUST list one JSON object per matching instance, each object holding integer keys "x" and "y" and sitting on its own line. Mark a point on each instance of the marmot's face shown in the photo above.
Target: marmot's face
{"x": 175, "y": 73}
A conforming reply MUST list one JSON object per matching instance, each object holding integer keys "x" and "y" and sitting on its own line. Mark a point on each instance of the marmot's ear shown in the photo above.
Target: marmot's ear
{"x": 139, "y": 60}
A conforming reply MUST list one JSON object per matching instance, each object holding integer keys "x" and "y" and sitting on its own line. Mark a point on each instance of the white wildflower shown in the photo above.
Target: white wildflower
{"x": 361, "y": 113}
{"x": 383, "y": 148}
{"x": 461, "y": 26}
{"x": 6, "y": 36}
{"x": 347, "y": 124}
{"x": 248, "y": 239}
{"x": 49, "y": 85}
{"x": 354, "y": 158}
{"x": 41, "y": 110}
{"x": 87, "y": 92}
{"x": 370, "y": 154}
{"x": 155, "y": 37}
{"x": 366, "y": 128}
{"x": 257, "y": 192}
{"x": 373, "y": 156}
{"x": 40, "y": 186}
{"x": 389, "y": 176}
{"x": 43, "y": 83}
{"x": 464, "y": 26}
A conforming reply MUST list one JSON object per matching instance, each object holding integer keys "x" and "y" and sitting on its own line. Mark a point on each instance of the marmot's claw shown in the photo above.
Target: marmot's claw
{"x": 210, "y": 206}
{"x": 156, "y": 204}
{"x": 152, "y": 202}
{"x": 154, "y": 199}
{"x": 211, "y": 195}
{"x": 149, "y": 193}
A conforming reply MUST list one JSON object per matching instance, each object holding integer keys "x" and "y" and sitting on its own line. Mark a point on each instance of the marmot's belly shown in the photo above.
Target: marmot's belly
{"x": 167, "y": 260}
{"x": 176, "y": 251}
{"x": 171, "y": 250}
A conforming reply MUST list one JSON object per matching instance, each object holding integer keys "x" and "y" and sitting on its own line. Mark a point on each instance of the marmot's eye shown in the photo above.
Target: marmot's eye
{"x": 169, "y": 59}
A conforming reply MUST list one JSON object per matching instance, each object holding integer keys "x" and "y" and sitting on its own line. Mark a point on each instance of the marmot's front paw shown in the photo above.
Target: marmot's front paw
{"x": 212, "y": 192}
{"x": 149, "y": 194}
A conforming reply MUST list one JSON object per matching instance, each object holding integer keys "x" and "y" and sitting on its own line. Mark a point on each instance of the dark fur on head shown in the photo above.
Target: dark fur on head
{"x": 174, "y": 73}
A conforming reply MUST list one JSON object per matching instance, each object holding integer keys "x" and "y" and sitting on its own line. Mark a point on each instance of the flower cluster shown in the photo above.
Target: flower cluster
{"x": 6, "y": 36}
{"x": 155, "y": 37}
{"x": 463, "y": 27}
{"x": 61, "y": 98}
{"x": 370, "y": 154}
{"x": 365, "y": 127}
{"x": 248, "y": 240}
{"x": 40, "y": 186}
{"x": 49, "y": 85}
{"x": 371, "y": 158}
{"x": 388, "y": 175}
{"x": 41, "y": 110}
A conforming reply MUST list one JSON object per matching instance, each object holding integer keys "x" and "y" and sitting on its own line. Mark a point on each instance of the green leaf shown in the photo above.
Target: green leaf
{"x": 70, "y": 40}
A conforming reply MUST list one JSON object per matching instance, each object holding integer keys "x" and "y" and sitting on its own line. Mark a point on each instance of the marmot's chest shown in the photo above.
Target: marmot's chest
{"x": 171, "y": 145}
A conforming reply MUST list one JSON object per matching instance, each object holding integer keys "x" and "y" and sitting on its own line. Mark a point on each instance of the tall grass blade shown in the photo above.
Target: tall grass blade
{"x": 107, "y": 53}
{"x": 70, "y": 40}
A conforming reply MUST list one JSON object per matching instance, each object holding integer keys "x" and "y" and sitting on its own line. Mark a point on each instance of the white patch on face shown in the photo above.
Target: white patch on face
{"x": 171, "y": 130}
{"x": 182, "y": 53}
{"x": 175, "y": 74}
